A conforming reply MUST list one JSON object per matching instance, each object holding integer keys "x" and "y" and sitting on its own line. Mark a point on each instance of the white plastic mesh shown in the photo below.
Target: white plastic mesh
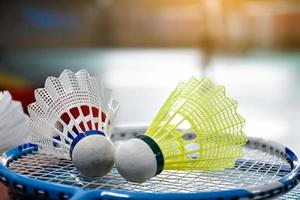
{"x": 13, "y": 122}
{"x": 70, "y": 105}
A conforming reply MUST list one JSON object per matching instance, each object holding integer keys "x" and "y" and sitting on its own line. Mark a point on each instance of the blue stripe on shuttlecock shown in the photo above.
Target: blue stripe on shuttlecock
{"x": 80, "y": 136}
{"x": 57, "y": 137}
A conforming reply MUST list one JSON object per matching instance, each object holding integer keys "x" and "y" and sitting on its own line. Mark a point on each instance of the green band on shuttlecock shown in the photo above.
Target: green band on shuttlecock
{"x": 156, "y": 150}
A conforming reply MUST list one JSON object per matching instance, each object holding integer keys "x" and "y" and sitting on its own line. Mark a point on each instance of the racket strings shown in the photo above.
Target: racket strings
{"x": 256, "y": 168}
{"x": 292, "y": 195}
{"x": 265, "y": 169}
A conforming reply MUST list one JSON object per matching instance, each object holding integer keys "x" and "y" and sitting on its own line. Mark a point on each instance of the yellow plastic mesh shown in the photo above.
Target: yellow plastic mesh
{"x": 198, "y": 127}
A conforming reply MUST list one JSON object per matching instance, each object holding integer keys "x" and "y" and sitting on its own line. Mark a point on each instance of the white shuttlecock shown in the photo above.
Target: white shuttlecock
{"x": 72, "y": 117}
{"x": 13, "y": 122}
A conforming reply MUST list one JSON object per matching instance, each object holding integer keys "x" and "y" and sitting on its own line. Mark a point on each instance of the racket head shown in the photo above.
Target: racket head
{"x": 267, "y": 170}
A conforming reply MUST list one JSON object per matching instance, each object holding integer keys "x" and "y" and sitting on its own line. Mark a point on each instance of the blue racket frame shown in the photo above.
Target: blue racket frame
{"x": 30, "y": 186}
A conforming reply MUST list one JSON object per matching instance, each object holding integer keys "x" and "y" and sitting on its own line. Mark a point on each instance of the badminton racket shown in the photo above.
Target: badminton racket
{"x": 267, "y": 170}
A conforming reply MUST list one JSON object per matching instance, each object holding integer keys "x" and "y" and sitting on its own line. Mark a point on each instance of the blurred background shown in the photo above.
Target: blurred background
{"x": 143, "y": 48}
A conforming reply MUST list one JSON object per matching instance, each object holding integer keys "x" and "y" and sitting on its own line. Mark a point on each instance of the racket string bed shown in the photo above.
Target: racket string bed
{"x": 257, "y": 168}
{"x": 294, "y": 194}
{"x": 263, "y": 169}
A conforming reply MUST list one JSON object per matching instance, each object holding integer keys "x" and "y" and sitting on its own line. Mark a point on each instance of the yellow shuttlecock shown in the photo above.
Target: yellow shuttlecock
{"x": 197, "y": 128}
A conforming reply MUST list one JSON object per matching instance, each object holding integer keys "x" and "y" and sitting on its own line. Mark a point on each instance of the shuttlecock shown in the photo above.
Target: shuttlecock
{"x": 197, "y": 128}
{"x": 72, "y": 118}
{"x": 13, "y": 122}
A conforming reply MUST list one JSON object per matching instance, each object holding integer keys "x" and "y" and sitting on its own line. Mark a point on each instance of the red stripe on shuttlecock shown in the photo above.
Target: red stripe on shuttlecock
{"x": 85, "y": 111}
